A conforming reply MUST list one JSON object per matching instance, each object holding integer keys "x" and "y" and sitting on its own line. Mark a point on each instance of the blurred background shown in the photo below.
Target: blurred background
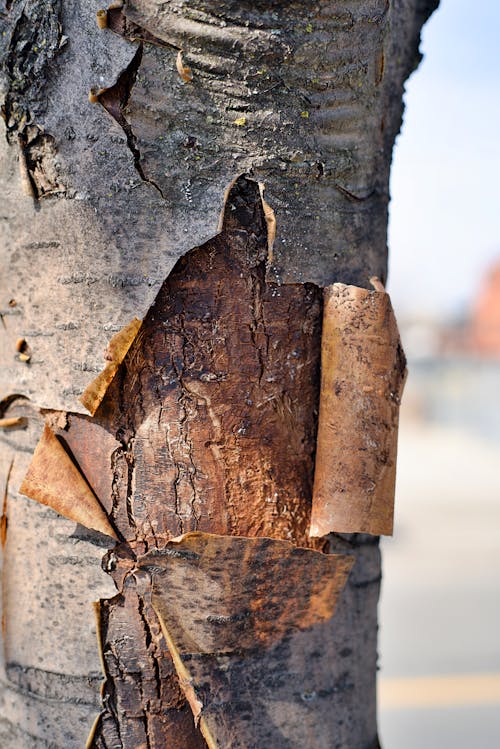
{"x": 439, "y": 663}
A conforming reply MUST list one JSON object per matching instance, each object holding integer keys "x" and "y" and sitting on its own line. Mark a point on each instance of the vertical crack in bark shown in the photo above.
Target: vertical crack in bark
{"x": 115, "y": 492}
{"x": 115, "y": 100}
{"x": 186, "y": 398}
{"x": 142, "y": 698}
{"x": 257, "y": 326}
{"x": 149, "y": 708}
{"x": 3, "y": 540}
{"x": 129, "y": 457}
{"x": 4, "y": 518}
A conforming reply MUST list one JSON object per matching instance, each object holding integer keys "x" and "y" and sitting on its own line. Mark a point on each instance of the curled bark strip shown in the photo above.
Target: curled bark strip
{"x": 229, "y": 610}
{"x": 184, "y": 71}
{"x": 102, "y": 18}
{"x": 13, "y": 422}
{"x": 117, "y": 348}
{"x": 4, "y": 521}
{"x": 270, "y": 217}
{"x": 363, "y": 373}
{"x": 54, "y": 480}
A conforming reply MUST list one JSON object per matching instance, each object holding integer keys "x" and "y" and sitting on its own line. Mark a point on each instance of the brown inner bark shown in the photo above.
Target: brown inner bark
{"x": 215, "y": 412}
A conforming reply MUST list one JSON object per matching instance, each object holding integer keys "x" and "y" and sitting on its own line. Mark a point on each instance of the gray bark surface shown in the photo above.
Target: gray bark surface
{"x": 113, "y": 211}
{"x": 95, "y": 211}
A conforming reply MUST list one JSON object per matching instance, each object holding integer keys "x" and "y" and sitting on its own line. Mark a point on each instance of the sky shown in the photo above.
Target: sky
{"x": 444, "y": 227}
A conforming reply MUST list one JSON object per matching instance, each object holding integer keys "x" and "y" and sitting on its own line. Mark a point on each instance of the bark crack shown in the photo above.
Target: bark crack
{"x": 258, "y": 326}
{"x": 4, "y": 519}
{"x": 129, "y": 457}
{"x": 184, "y": 440}
{"x": 115, "y": 100}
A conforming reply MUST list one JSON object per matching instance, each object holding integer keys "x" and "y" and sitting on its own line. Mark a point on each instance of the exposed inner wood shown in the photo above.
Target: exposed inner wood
{"x": 212, "y": 419}
{"x": 215, "y": 404}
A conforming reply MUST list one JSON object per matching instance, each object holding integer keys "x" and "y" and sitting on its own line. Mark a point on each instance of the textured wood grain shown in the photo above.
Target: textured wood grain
{"x": 145, "y": 704}
{"x": 215, "y": 403}
{"x": 363, "y": 369}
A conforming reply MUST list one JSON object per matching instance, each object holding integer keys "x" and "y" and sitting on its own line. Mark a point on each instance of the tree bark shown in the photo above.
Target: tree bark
{"x": 122, "y": 146}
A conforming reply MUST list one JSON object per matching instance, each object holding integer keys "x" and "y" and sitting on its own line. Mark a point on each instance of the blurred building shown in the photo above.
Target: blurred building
{"x": 484, "y": 330}
{"x": 476, "y": 334}
{"x": 454, "y": 365}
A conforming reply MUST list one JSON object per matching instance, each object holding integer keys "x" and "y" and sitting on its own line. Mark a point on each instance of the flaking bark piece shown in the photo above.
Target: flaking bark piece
{"x": 92, "y": 448}
{"x": 363, "y": 370}
{"x": 54, "y": 480}
{"x": 116, "y": 351}
{"x": 228, "y": 604}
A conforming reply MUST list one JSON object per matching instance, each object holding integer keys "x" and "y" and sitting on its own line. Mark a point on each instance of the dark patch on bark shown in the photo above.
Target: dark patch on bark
{"x": 115, "y": 100}
{"x": 215, "y": 404}
{"x": 33, "y": 45}
{"x": 39, "y": 153}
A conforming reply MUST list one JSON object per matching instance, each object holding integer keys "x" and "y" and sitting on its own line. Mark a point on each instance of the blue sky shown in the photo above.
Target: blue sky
{"x": 444, "y": 228}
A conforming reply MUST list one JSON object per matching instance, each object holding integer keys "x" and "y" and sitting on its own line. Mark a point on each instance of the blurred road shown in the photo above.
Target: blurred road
{"x": 440, "y": 605}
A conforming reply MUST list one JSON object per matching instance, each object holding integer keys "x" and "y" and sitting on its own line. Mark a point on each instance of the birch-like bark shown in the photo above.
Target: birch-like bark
{"x": 100, "y": 201}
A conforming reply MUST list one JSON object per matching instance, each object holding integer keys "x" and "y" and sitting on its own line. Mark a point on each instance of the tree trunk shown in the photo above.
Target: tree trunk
{"x": 123, "y": 145}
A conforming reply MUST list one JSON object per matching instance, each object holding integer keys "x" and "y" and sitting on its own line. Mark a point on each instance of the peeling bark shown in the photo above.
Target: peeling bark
{"x": 54, "y": 480}
{"x": 326, "y": 174}
{"x": 217, "y": 397}
{"x": 115, "y": 353}
{"x": 205, "y": 420}
{"x": 363, "y": 370}
{"x": 233, "y": 632}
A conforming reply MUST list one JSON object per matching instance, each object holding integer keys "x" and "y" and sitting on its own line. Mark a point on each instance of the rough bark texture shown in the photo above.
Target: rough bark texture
{"x": 216, "y": 400}
{"x": 49, "y": 667}
{"x": 210, "y": 422}
{"x": 319, "y": 88}
{"x": 248, "y": 651}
